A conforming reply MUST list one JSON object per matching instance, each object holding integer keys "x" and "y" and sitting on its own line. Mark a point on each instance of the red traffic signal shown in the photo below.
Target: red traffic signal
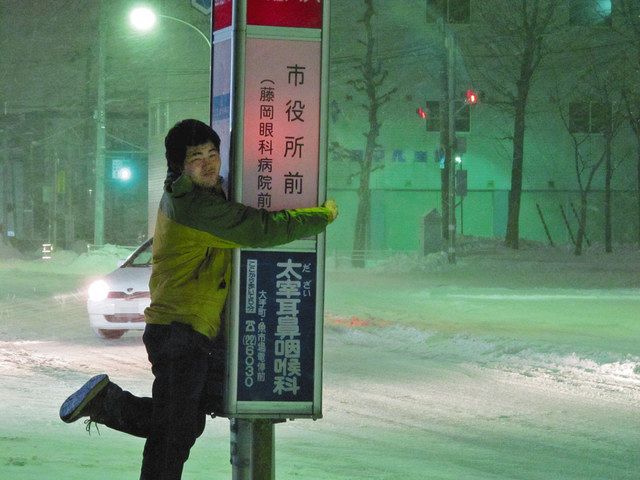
{"x": 421, "y": 113}
{"x": 472, "y": 97}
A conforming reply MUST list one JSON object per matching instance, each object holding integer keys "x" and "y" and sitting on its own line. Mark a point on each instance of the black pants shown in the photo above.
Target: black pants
{"x": 189, "y": 372}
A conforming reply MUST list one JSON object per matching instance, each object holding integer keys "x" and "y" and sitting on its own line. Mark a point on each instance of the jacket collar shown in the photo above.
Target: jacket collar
{"x": 181, "y": 184}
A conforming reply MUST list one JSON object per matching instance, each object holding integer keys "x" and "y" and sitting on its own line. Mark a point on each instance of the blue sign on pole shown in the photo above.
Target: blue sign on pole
{"x": 202, "y": 5}
{"x": 221, "y": 107}
{"x": 276, "y": 342}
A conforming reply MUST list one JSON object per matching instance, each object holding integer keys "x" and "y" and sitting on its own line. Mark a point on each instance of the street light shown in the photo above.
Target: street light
{"x": 144, "y": 19}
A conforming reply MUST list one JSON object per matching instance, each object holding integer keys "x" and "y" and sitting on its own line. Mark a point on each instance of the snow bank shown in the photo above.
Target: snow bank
{"x": 7, "y": 252}
{"x": 481, "y": 253}
{"x": 95, "y": 262}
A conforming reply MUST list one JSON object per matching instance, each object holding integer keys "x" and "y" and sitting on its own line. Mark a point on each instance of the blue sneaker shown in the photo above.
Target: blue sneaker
{"x": 79, "y": 403}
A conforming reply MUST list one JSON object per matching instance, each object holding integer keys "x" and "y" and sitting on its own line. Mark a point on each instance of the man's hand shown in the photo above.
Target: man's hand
{"x": 333, "y": 207}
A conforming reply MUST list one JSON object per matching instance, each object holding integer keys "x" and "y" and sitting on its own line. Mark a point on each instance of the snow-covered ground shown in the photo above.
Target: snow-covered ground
{"x": 508, "y": 365}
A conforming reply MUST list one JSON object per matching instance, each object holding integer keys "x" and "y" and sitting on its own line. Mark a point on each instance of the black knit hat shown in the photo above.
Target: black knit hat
{"x": 186, "y": 133}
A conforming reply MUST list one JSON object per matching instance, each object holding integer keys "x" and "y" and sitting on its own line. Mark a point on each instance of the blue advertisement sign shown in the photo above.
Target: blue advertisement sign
{"x": 221, "y": 107}
{"x": 276, "y": 343}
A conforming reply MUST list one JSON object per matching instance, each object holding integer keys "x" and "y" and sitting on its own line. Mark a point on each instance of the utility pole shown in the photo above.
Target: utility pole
{"x": 4, "y": 220}
{"x": 54, "y": 197}
{"x": 450, "y": 148}
{"x": 100, "y": 114}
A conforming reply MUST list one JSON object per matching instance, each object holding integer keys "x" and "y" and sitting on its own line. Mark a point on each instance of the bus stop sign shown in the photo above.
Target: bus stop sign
{"x": 270, "y": 111}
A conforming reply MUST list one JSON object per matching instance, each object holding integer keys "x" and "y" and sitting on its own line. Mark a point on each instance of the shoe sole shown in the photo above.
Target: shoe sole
{"x": 72, "y": 407}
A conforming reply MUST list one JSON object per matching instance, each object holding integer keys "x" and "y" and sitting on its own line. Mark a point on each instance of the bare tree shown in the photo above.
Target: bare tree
{"x": 612, "y": 122}
{"x": 632, "y": 113}
{"x": 370, "y": 83}
{"x": 586, "y": 168}
{"x": 508, "y": 54}
{"x": 595, "y": 118}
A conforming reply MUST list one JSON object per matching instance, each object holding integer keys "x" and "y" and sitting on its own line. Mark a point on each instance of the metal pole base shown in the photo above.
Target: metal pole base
{"x": 252, "y": 449}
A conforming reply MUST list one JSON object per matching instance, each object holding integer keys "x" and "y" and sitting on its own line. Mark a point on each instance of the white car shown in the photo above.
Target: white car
{"x": 116, "y": 302}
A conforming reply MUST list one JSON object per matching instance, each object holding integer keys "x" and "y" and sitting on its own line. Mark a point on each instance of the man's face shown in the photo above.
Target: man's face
{"x": 202, "y": 164}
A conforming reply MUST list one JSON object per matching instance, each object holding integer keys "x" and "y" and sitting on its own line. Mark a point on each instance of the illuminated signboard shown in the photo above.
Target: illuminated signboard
{"x": 281, "y": 124}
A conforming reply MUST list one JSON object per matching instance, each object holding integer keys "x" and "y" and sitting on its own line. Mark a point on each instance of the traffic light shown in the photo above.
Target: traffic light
{"x": 461, "y": 183}
{"x": 421, "y": 113}
{"x": 472, "y": 97}
{"x": 124, "y": 174}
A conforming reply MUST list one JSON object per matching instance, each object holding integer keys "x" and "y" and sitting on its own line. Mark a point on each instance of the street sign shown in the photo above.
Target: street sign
{"x": 203, "y": 6}
{"x": 281, "y": 123}
{"x": 269, "y": 105}
{"x": 277, "y": 335}
{"x": 269, "y": 88}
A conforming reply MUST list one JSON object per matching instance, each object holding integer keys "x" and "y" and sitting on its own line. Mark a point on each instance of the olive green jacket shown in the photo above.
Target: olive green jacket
{"x": 195, "y": 232}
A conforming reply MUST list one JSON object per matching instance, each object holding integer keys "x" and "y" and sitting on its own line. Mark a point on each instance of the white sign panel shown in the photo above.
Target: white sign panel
{"x": 281, "y": 124}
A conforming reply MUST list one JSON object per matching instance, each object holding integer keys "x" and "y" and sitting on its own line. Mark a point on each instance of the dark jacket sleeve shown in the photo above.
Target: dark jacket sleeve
{"x": 246, "y": 226}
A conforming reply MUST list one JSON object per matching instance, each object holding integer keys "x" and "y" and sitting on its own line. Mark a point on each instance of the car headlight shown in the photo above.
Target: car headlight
{"x": 98, "y": 290}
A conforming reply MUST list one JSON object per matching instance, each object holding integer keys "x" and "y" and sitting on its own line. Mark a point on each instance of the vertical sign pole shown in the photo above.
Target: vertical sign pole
{"x": 269, "y": 92}
{"x": 252, "y": 449}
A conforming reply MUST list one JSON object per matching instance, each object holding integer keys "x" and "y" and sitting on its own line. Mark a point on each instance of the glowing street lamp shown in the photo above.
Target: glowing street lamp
{"x": 145, "y": 19}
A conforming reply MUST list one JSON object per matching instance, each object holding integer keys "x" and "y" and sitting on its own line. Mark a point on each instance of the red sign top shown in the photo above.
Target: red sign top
{"x": 222, "y": 13}
{"x": 271, "y": 13}
{"x": 285, "y": 13}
